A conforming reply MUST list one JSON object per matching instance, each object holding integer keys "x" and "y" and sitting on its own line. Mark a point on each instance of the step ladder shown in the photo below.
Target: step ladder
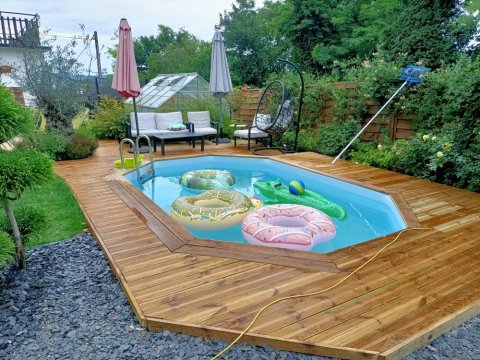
{"x": 135, "y": 147}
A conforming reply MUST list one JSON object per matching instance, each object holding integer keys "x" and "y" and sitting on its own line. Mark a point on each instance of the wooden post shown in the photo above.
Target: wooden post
{"x": 99, "y": 66}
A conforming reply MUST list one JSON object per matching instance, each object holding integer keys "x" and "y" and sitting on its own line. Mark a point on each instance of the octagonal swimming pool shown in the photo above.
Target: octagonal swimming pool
{"x": 371, "y": 214}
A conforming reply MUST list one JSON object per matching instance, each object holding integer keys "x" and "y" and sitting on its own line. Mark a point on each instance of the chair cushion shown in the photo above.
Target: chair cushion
{"x": 146, "y": 121}
{"x": 176, "y": 127}
{"x": 163, "y": 120}
{"x": 201, "y": 119}
{"x": 254, "y": 134}
{"x": 262, "y": 120}
{"x": 205, "y": 130}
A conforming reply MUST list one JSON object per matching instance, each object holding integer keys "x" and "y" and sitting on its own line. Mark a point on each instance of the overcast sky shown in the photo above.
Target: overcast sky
{"x": 63, "y": 16}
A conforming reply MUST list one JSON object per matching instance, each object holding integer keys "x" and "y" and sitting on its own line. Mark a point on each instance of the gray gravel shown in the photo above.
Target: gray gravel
{"x": 69, "y": 306}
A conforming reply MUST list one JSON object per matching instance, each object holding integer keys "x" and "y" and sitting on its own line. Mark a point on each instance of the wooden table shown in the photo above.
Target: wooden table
{"x": 189, "y": 136}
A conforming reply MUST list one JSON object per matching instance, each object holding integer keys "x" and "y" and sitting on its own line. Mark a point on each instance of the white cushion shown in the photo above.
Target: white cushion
{"x": 146, "y": 121}
{"x": 201, "y": 119}
{"x": 262, "y": 120}
{"x": 205, "y": 130}
{"x": 163, "y": 120}
{"x": 254, "y": 134}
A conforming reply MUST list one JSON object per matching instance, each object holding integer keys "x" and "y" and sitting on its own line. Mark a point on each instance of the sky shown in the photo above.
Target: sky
{"x": 63, "y": 17}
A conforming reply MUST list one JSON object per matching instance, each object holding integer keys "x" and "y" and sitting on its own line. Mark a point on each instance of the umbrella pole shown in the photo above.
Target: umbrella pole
{"x": 221, "y": 117}
{"x": 136, "y": 116}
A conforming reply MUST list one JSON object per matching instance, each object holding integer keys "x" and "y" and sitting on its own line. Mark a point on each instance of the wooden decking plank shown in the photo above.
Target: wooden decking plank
{"x": 201, "y": 287}
{"x": 171, "y": 240}
{"x": 221, "y": 270}
{"x": 427, "y": 318}
{"x": 260, "y": 257}
{"x": 354, "y": 298}
{"x": 204, "y": 293}
{"x": 174, "y": 276}
{"x": 351, "y": 330}
{"x": 207, "y": 304}
{"x": 155, "y": 323}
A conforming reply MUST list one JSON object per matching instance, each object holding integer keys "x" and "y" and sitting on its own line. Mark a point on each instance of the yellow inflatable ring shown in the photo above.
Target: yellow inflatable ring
{"x": 211, "y": 210}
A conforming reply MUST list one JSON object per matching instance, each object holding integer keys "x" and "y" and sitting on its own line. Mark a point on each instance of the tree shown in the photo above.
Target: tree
{"x": 14, "y": 119}
{"x": 19, "y": 169}
{"x": 422, "y": 30}
{"x": 252, "y": 42}
{"x": 57, "y": 80}
{"x": 309, "y": 28}
{"x": 189, "y": 55}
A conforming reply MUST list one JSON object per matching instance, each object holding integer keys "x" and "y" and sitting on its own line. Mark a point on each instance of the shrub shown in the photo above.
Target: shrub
{"x": 29, "y": 219}
{"x": 7, "y": 250}
{"x": 306, "y": 141}
{"x": 333, "y": 137}
{"x": 109, "y": 122}
{"x": 53, "y": 143}
{"x": 79, "y": 147}
{"x": 14, "y": 118}
{"x": 379, "y": 155}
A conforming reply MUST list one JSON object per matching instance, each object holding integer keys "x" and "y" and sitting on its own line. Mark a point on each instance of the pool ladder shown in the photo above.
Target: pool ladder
{"x": 135, "y": 146}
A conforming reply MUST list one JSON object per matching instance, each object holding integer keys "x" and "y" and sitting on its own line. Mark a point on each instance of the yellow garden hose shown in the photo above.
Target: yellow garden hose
{"x": 314, "y": 293}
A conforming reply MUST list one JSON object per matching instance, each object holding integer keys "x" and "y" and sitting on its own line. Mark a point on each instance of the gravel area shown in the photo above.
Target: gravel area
{"x": 68, "y": 305}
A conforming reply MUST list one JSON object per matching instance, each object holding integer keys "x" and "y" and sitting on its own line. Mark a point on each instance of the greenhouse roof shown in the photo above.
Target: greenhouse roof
{"x": 163, "y": 87}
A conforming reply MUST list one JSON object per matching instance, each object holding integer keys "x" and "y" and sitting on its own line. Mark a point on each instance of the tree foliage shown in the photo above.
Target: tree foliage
{"x": 422, "y": 32}
{"x": 252, "y": 43}
{"x": 57, "y": 80}
{"x": 21, "y": 169}
{"x": 14, "y": 118}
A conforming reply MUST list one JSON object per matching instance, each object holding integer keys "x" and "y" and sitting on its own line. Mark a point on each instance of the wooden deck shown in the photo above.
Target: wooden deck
{"x": 421, "y": 286}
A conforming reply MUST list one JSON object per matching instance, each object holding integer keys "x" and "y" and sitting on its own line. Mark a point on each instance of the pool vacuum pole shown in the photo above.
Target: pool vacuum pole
{"x": 368, "y": 123}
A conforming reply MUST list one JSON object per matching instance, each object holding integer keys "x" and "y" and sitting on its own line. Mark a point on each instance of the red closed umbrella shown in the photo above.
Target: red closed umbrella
{"x": 125, "y": 76}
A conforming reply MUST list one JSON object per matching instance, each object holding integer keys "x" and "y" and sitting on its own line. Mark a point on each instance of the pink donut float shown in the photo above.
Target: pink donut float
{"x": 288, "y": 226}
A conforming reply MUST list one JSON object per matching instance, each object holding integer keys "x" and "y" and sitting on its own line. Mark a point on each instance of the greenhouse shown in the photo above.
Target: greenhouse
{"x": 172, "y": 92}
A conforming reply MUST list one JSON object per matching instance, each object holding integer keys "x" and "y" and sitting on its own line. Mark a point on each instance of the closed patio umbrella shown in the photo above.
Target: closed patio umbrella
{"x": 220, "y": 81}
{"x": 125, "y": 76}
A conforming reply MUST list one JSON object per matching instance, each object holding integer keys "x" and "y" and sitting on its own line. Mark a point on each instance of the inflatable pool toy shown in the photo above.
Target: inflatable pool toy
{"x": 207, "y": 179}
{"x": 211, "y": 210}
{"x": 288, "y": 226}
{"x": 256, "y": 202}
{"x": 129, "y": 162}
{"x": 296, "y": 187}
{"x": 278, "y": 193}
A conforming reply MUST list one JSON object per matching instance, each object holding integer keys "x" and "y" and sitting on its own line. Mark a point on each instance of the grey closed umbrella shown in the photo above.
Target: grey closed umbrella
{"x": 220, "y": 81}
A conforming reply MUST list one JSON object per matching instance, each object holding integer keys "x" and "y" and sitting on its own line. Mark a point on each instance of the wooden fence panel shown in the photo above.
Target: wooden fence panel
{"x": 397, "y": 126}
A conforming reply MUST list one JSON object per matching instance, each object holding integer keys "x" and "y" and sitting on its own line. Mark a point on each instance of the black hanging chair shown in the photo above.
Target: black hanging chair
{"x": 275, "y": 112}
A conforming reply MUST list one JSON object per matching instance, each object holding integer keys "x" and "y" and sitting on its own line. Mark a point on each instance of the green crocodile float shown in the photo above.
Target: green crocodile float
{"x": 278, "y": 193}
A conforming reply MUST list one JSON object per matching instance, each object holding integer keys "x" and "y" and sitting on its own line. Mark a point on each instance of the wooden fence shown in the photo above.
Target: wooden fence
{"x": 398, "y": 126}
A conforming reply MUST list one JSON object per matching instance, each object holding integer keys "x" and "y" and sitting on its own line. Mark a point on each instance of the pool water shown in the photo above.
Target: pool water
{"x": 371, "y": 214}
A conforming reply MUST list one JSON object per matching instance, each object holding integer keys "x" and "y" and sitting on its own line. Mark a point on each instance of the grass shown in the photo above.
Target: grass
{"x": 64, "y": 217}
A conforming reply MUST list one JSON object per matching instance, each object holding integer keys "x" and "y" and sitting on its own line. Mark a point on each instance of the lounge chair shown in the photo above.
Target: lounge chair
{"x": 252, "y": 132}
{"x": 201, "y": 123}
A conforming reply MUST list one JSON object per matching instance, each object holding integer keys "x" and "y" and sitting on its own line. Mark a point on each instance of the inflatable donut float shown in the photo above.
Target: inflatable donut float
{"x": 211, "y": 210}
{"x": 289, "y": 226}
{"x": 207, "y": 179}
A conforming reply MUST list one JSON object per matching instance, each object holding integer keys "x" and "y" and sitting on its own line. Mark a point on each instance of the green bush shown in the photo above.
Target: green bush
{"x": 109, "y": 122}
{"x": 53, "y": 143}
{"x": 21, "y": 169}
{"x": 29, "y": 219}
{"x": 14, "y": 118}
{"x": 307, "y": 140}
{"x": 79, "y": 147}
{"x": 7, "y": 250}
{"x": 333, "y": 137}
{"x": 378, "y": 155}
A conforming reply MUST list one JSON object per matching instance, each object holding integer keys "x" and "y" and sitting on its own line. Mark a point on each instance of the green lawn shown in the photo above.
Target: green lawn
{"x": 64, "y": 217}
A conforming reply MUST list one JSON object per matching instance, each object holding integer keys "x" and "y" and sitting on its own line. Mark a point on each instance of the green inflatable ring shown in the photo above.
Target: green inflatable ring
{"x": 207, "y": 179}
